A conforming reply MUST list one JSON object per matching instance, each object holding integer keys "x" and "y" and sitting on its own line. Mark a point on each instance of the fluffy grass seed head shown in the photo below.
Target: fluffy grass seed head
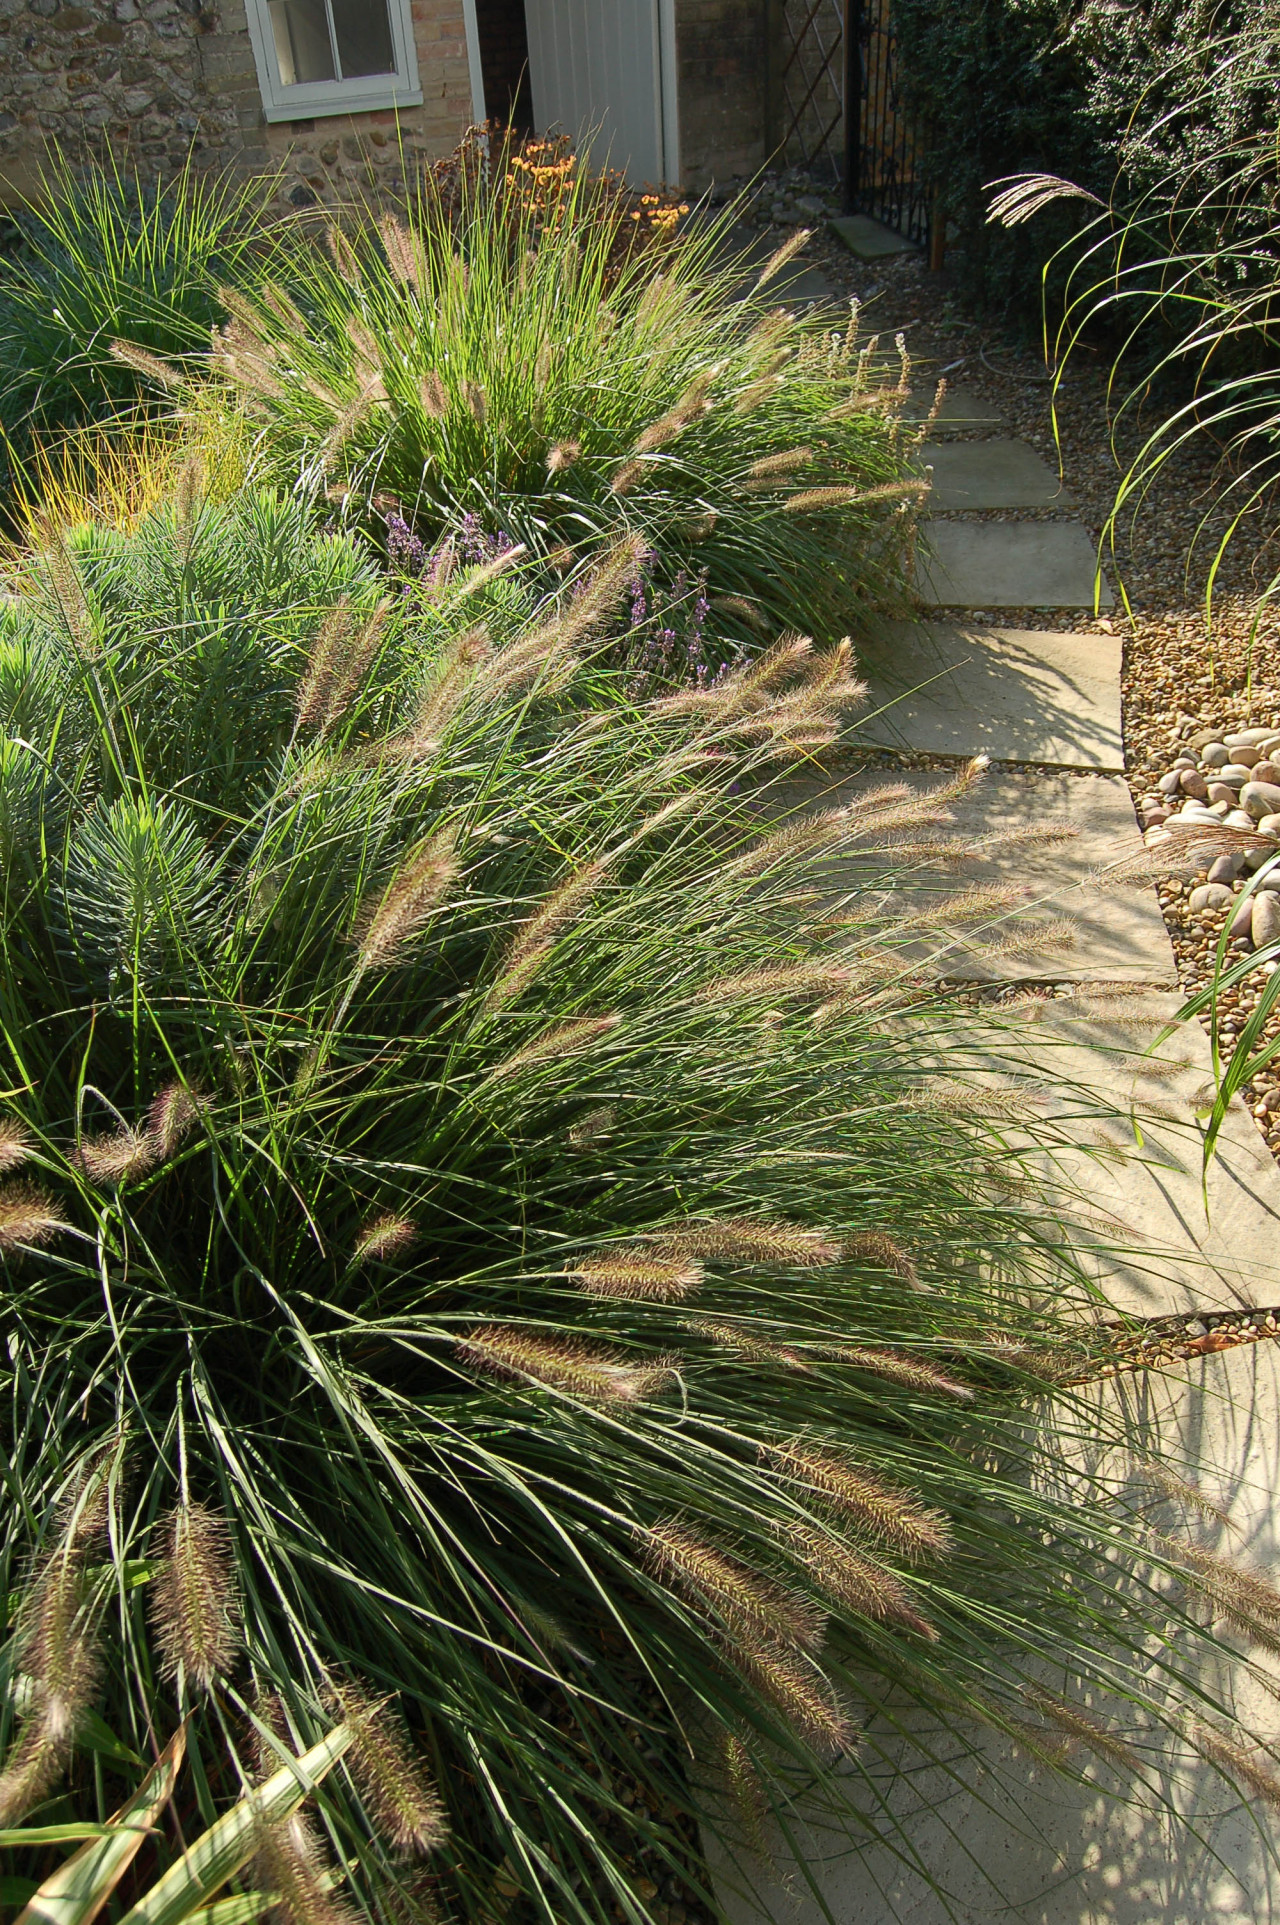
{"x": 396, "y": 1787}
{"x": 858, "y": 1583}
{"x": 385, "y": 1237}
{"x": 28, "y": 1218}
{"x": 747, "y": 1343}
{"x": 15, "y": 1144}
{"x": 173, "y": 1115}
{"x": 592, "y": 1372}
{"x": 911, "y": 1372}
{"x": 1081, "y": 1727}
{"x": 290, "y": 1865}
{"x": 757, "y": 1240}
{"x": 890, "y": 1513}
{"x": 1243, "y": 1766}
{"x": 391, "y": 919}
{"x": 636, "y": 1273}
{"x": 120, "y": 1156}
{"x": 754, "y": 1607}
{"x": 195, "y": 1603}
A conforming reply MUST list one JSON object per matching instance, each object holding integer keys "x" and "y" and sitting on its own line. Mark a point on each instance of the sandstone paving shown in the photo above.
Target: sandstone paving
{"x": 997, "y": 473}
{"x": 1017, "y": 695}
{"x": 1004, "y": 1840}
{"x": 1008, "y": 564}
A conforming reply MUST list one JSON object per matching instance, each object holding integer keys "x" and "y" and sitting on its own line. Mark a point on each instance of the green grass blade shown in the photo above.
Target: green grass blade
{"x": 77, "y": 1891}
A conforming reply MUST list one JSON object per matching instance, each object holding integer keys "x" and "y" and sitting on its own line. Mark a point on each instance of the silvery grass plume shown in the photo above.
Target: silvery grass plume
{"x": 468, "y": 1155}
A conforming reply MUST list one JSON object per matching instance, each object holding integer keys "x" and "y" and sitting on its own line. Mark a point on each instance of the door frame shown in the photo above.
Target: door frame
{"x": 669, "y": 92}
{"x": 668, "y": 102}
{"x": 472, "y": 29}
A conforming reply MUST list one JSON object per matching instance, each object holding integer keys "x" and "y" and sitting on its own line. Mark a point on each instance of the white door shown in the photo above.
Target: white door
{"x": 604, "y": 71}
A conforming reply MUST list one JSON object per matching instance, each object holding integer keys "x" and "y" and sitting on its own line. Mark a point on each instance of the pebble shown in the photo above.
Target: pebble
{"x": 1264, "y": 925}
{"x": 1215, "y": 755}
{"x": 1221, "y": 792}
{"x": 1169, "y": 784}
{"x": 1234, "y": 773}
{"x": 1203, "y": 739}
{"x": 1227, "y": 867}
{"x": 1238, "y": 819}
{"x": 1260, "y": 799}
{"x": 1210, "y": 895}
{"x": 1248, "y": 738}
{"x": 1266, "y": 771}
{"x": 1270, "y": 826}
{"x": 1193, "y": 783}
{"x": 1271, "y": 880}
{"x": 1241, "y": 924}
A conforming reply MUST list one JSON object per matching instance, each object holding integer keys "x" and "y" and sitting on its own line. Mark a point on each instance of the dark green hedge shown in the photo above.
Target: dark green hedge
{"x": 1116, "y": 95}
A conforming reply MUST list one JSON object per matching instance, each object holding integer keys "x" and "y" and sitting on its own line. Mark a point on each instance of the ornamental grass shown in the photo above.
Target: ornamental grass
{"x": 477, "y": 1243}
{"x": 520, "y": 358}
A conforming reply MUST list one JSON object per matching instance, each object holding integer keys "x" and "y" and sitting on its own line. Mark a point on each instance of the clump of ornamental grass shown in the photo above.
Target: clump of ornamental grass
{"x": 476, "y": 360}
{"x": 104, "y": 256}
{"x": 470, "y": 1193}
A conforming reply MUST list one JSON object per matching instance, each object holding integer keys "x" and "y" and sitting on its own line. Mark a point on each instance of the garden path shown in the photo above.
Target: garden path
{"x": 984, "y": 1833}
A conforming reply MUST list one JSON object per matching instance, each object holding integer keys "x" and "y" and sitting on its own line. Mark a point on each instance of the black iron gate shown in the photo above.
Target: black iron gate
{"x": 884, "y": 149}
{"x": 833, "y": 53}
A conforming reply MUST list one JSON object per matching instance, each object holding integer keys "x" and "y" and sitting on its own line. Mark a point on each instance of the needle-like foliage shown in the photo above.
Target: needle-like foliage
{"x": 427, "y": 1280}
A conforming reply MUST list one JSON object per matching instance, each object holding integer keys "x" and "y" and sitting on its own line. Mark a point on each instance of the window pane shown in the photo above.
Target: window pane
{"x": 362, "y": 29}
{"x": 304, "y": 50}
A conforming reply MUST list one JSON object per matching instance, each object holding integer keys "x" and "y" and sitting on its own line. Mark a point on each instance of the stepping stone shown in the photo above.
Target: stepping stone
{"x": 1120, "y": 932}
{"x": 870, "y": 240}
{"x": 962, "y": 411}
{"x": 1017, "y": 695}
{"x": 985, "y": 1833}
{"x": 1189, "y": 1252}
{"x": 991, "y": 474}
{"x": 1008, "y": 564}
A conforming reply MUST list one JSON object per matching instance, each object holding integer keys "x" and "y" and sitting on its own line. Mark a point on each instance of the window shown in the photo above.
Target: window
{"x": 333, "y": 56}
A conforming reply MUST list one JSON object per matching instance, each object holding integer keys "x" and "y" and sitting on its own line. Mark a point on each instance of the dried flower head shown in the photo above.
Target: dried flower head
{"x": 391, "y": 919}
{"x": 1082, "y": 1728}
{"x": 636, "y": 1272}
{"x": 747, "y": 1342}
{"x": 753, "y": 1240}
{"x": 589, "y": 1371}
{"x": 15, "y": 1144}
{"x": 800, "y": 1690}
{"x": 858, "y": 1582}
{"x": 752, "y": 1606}
{"x": 150, "y": 366}
{"x": 195, "y": 1603}
{"x": 28, "y": 1218}
{"x": 563, "y": 456}
{"x": 393, "y": 1781}
{"x": 384, "y": 1238}
{"x": 1242, "y": 1598}
{"x": 894, "y": 1514}
{"x": 781, "y": 256}
{"x": 397, "y": 245}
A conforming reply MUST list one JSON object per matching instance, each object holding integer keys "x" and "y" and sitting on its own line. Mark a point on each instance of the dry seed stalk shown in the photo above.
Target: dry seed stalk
{"x": 892, "y": 1513}
{"x": 1237, "y": 1763}
{"x": 756, "y": 1240}
{"x": 290, "y": 1865}
{"x": 591, "y": 1372}
{"x": 1077, "y": 1724}
{"x": 15, "y": 1144}
{"x": 850, "y": 1578}
{"x": 28, "y": 1218}
{"x": 195, "y": 1606}
{"x": 118, "y": 1157}
{"x": 911, "y": 1372}
{"x": 752, "y": 1605}
{"x": 737, "y": 1336}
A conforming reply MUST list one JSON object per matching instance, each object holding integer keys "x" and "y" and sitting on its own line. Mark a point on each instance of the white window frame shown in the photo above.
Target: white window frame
{"x": 313, "y": 99}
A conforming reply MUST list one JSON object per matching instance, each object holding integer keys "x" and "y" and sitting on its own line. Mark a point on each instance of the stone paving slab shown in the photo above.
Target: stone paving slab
{"x": 991, "y": 474}
{"x": 1008, "y": 564}
{"x": 1018, "y": 695}
{"x": 1005, "y": 1840}
{"x": 1192, "y": 1244}
{"x": 962, "y": 411}
{"x": 1120, "y": 932}
{"x": 870, "y": 240}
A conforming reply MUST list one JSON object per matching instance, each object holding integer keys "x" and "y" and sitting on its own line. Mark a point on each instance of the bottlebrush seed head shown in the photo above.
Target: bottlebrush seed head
{"x": 195, "y": 1605}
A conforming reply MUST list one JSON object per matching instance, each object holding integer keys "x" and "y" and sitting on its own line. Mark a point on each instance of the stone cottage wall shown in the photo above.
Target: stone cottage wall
{"x": 156, "y": 80}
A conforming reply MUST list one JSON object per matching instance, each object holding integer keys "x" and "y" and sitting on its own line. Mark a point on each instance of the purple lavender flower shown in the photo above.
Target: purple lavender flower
{"x": 405, "y": 550}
